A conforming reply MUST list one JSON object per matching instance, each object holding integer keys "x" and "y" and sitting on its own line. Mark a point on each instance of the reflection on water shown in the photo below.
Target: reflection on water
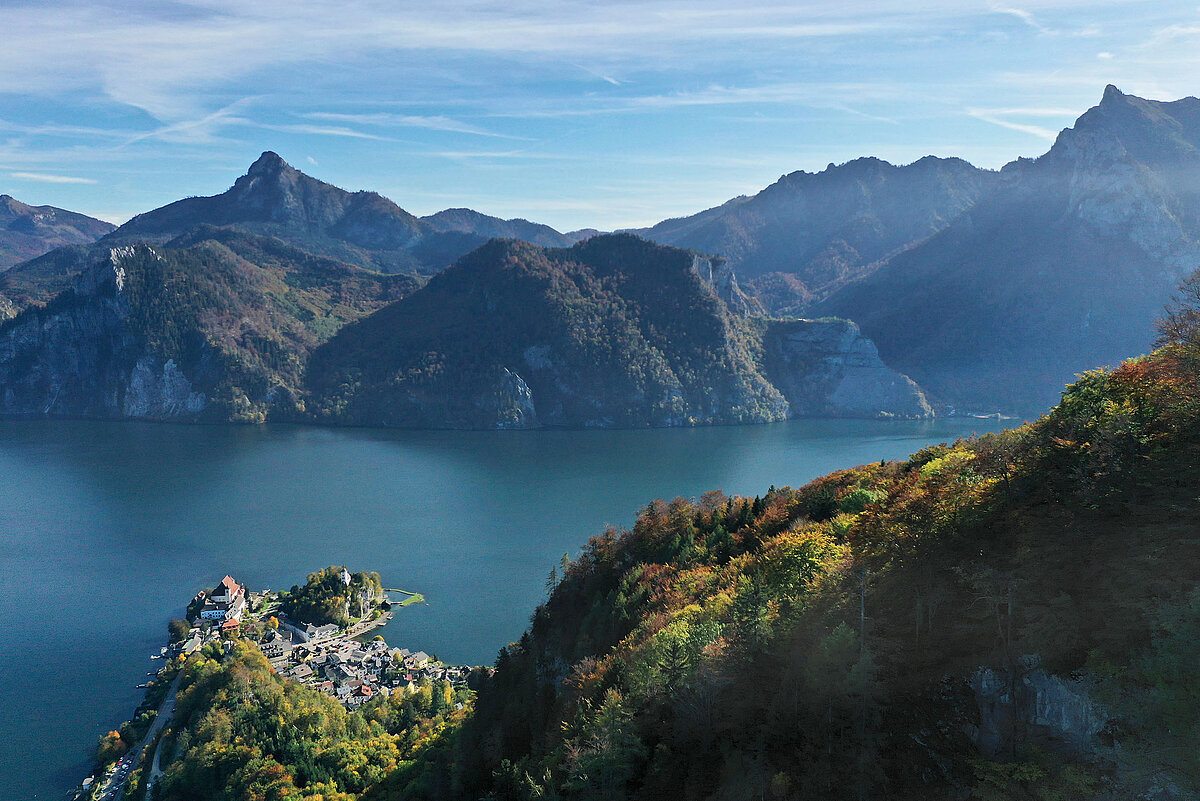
{"x": 106, "y": 530}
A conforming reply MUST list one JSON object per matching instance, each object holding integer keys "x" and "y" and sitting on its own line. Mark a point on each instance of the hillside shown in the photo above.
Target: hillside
{"x": 366, "y": 229}
{"x": 807, "y": 234}
{"x": 1064, "y": 266}
{"x": 216, "y": 326}
{"x": 1011, "y": 617}
{"x": 613, "y": 332}
{"x": 29, "y": 231}
{"x": 1008, "y": 618}
{"x": 219, "y": 325}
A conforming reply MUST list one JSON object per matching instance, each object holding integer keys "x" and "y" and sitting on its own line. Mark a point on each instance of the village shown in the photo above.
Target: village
{"x": 330, "y": 658}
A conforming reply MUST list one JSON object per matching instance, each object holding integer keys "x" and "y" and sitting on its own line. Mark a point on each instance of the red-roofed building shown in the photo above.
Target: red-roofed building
{"x": 226, "y": 602}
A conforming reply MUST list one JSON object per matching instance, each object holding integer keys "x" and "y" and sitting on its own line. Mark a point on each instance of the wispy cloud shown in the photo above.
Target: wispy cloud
{"x": 1001, "y": 117}
{"x": 1023, "y": 16}
{"x": 50, "y": 178}
{"x": 317, "y": 130}
{"x": 433, "y": 123}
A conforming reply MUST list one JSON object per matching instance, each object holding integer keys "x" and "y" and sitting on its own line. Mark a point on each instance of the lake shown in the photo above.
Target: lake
{"x": 108, "y": 529}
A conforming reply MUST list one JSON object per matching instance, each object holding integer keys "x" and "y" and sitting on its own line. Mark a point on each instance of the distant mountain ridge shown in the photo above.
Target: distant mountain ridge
{"x": 825, "y": 229}
{"x": 366, "y": 229}
{"x": 29, "y": 231}
{"x": 1066, "y": 264}
{"x": 990, "y": 289}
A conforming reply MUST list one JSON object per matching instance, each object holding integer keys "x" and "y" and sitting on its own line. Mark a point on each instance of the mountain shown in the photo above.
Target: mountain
{"x": 216, "y": 325}
{"x": 612, "y": 332}
{"x": 807, "y": 234}
{"x": 483, "y": 227}
{"x": 29, "y": 231}
{"x": 1066, "y": 264}
{"x": 361, "y": 228}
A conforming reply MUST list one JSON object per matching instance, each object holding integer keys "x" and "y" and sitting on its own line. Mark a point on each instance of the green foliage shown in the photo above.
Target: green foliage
{"x": 605, "y": 752}
{"x": 327, "y": 598}
{"x": 177, "y": 630}
{"x": 1038, "y": 776}
{"x": 812, "y": 643}
{"x": 614, "y": 331}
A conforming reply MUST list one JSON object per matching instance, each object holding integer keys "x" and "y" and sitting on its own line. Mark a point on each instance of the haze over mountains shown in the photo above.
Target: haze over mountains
{"x": 1066, "y": 264}
{"x": 807, "y": 235}
{"x": 28, "y": 231}
{"x": 991, "y": 289}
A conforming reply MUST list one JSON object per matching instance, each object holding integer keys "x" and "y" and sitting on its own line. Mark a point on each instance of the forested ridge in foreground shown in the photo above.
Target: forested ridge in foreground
{"x": 1015, "y": 616}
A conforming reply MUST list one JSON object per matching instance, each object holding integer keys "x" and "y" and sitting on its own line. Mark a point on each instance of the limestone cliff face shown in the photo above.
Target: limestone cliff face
{"x": 77, "y": 357}
{"x": 827, "y": 368}
{"x": 1049, "y": 709}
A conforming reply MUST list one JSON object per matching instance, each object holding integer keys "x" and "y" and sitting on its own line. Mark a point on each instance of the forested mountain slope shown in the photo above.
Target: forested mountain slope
{"x": 987, "y": 620}
{"x": 613, "y": 332}
{"x": 1012, "y": 617}
{"x": 214, "y": 326}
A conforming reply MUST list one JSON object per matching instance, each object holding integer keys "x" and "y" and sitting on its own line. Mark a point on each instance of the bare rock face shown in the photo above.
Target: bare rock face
{"x": 78, "y": 358}
{"x": 1043, "y": 707}
{"x": 513, "y": 402}
{"x": 827, "y": 368}
{"x": 160, "y": 391}
{"x": 721, "y": 279}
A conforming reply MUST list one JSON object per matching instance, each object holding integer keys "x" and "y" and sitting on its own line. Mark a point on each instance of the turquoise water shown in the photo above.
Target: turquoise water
{"x": 107, "y": 529}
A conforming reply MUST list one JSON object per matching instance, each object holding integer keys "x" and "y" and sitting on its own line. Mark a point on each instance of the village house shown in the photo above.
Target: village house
{"x": 276, "y": 645}
{"x": 301, "y": 673}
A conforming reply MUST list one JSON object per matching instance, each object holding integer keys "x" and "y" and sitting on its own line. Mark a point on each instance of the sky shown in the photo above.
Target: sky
{"x": 575, "y": 114}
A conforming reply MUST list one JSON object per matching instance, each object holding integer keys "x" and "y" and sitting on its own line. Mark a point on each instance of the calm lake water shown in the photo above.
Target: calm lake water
{"x": 107, "y": 530}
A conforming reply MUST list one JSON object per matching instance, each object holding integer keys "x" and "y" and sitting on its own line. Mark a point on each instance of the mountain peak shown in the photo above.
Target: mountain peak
{"x": 268, "y": 162}
{"x": 1112, "y": 93}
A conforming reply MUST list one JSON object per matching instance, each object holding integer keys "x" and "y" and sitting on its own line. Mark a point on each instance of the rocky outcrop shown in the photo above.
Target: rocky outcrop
{"x": 77, "y": 357}
{"x": 513, "y": 402}
{"x": 721, "y": 279}
{"x": 827, "y": 368}
{"x": 1031, "y": 705}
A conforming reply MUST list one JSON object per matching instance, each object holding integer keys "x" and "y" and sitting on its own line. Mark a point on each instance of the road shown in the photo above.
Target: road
{"x": 115, "y": 783}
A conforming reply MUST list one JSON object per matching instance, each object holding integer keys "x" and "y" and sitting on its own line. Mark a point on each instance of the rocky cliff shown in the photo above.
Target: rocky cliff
{"x": 613, "y": 332}
{"x": 827, "y": 368}
{"x": 215, "y": 326}
{"x": 80, "y": 357}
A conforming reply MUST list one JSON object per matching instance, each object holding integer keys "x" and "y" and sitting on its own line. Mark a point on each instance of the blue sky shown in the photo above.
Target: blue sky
{"x": 576, "y": 114}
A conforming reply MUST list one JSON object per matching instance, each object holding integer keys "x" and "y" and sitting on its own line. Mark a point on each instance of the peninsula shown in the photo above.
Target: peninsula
{"x": 307, "y": 647}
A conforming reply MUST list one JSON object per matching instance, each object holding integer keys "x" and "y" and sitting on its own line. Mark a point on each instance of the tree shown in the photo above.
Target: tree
{"x": 1180, "y": 323}
{"x": 675, "y": 664}
{"x": 178, "y": 630}
{"x": 608, "y": 752}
